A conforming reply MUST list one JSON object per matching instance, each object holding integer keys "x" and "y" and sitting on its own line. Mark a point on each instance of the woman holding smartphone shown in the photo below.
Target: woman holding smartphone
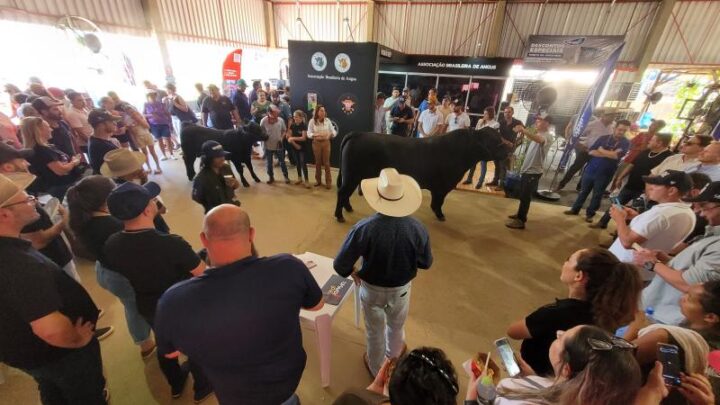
{"x": 602, "y": 291}
{"x": 321, "y": 130}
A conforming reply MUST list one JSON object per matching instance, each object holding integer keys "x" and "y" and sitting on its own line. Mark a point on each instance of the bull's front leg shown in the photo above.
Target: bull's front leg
{"x": 438, "y": 198}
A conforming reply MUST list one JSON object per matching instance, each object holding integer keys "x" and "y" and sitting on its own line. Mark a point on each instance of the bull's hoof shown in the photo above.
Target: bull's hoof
{"x": 245, "y": 183}
{"x": 340, "y": 219}
{"x": 257, "y": 180}
{"x": 348, "y": 208}
{"x": 441, "y": 218}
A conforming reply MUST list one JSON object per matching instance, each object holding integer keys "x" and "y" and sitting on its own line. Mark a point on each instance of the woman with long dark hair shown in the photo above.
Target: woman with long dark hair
{"x": 92, "y": 223}
{"x": 602, "y": 291}
{"x": 321, "y": 130}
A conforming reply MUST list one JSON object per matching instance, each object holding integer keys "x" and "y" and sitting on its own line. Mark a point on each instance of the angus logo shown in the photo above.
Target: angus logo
{"x": 342, "y": 62}
{"x": 318, "y": 61}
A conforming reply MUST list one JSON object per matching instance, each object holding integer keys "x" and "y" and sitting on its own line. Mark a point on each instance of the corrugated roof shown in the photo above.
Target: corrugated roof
{"x": 325, "y": 22}
{"x": 691, "y": 36}
{"x": 118, "y": 16}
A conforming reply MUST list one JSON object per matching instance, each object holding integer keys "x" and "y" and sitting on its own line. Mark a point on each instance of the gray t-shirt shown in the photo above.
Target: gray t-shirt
{"x": 275, "y": 133}
{"x": 535, "y": 155}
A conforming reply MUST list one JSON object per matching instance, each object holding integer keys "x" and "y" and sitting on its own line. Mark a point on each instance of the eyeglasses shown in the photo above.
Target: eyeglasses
{"x": 605, "y": 346}
{"x": 437, "y": 369}
{"x": 29, "y": 200}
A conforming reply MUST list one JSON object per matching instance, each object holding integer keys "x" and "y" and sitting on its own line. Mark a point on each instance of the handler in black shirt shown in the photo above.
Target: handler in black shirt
{"x": 401, "y": 116}
{"x": 655, "y": 154}
{"x": 393, "y": 246}
{"x": 509, "y": 137}
{"x": 215, "y": 184}
{"x": 152, "y": 262}
{"x": 104, "y": 125}
{"x": 219, "y": 109}
{"x": 46, "y": 317}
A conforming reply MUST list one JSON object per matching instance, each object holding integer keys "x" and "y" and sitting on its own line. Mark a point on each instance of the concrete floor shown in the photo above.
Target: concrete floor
{"x": 484, "y": 276}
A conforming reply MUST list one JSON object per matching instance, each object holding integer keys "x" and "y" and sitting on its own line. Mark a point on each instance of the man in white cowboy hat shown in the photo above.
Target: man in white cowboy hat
{"x": 393, "y": 246}
{"x": 46, "y": 318}
{"x": 124, "y": 165}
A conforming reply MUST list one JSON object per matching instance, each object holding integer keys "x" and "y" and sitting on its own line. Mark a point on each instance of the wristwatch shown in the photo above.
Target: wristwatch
{"x": 650, "y": 265}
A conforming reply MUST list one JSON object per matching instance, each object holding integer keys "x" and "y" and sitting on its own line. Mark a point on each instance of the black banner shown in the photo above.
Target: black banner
{"x": 339, "y": 75}
{"x": 453, "y": 65}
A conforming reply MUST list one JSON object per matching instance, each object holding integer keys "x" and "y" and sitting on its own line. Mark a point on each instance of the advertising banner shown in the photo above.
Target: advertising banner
{"x": 453, "y": 65}
{"x": 340, "y": 76}
{"x": 556, "y": 51}
{"x": 231, "y": 71}
{"x": 588, "y": 106}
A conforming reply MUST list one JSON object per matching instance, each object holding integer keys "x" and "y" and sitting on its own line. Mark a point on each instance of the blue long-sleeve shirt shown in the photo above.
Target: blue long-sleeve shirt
{"x": 392, "y": 250}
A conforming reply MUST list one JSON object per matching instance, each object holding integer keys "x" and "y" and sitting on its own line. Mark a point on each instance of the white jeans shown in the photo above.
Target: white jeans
{"x": 385, "y": 310}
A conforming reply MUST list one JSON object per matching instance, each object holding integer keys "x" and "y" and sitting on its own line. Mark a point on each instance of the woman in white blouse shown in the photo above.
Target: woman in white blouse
{"x": 487, "y": 120}
{"x": 321, "y": 131}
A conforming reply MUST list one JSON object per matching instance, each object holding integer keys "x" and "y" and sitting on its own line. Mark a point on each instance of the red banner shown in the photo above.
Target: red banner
{"x": 231, "y": 70}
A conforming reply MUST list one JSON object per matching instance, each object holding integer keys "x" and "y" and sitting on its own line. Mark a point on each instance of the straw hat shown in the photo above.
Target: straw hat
{"x": 121, "y": 162}
{"x": 12, "y": 185}
{"x": 392, "y": 194}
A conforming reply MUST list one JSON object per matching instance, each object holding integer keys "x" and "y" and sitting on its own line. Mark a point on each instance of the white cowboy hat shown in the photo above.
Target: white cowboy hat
{"x": 121, "y": 162}
{"x": 392, "y": 194}
{"x": 12, "y": 185}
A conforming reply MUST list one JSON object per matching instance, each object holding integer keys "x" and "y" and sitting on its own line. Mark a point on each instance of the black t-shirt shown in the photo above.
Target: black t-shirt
{"x": 39, "y": 166}
{"x": 62, "y": 138}
{"x": 296, "y": 130}
{"x": 405, "y": 113}
{"x": 97, "y": 148}
{"x": 96, "y": 232}
{"x": 56, "y": 250}
{"x": 506, "y": 130}
{"x": 152, "y": 262}
{"x": 543, "y": 325}
{"x": 219, "y": 112}
{"x": 642, "y": 165}
{"x": 210, "y": 189}
{"x": 240, "y": 323}
{"x": 31, "y": 287}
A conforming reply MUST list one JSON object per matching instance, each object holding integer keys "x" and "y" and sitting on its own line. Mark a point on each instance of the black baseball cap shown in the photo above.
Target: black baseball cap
{"x": 97, "y": 116}
{"x": 709, "y": 193}
{"x": 8, "y": 153}
{"x": 129, "y": 199}
{"x": 671, "y": 178}
{"x": 213, "y": 149}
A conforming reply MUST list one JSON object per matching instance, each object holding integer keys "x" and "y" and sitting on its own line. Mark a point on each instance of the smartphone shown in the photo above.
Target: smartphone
{"x": 670, "y": 358}
{"x": 508, "y": 357}
{"x": 616, "y": 202}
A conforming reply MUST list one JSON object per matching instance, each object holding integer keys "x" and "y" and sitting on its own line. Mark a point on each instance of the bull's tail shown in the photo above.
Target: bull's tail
{"x": 342, "y": 146}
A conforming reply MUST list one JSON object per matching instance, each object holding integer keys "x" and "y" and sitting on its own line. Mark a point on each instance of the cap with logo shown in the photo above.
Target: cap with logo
{"x": 241, "y": 83}
{"x": 9, "y": 153}
{"x": 129, "y": 200}
{"x": 213, "y": 149}
{"x": 43, "y": 103}
{"x": 671, "y": 178}
{"x": 709, "y": 193}
{"x": 98, "y": 115}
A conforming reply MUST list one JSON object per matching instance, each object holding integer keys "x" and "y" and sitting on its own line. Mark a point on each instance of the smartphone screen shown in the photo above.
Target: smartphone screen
{"x": 616, "y": 202}
{"x": 670, "y": 359}
{"x": 507, "y": 356}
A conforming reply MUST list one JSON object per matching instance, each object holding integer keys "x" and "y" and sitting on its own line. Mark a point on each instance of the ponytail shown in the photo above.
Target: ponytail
{"x": 86, "y": 197}
{"x": 613, "y": 288}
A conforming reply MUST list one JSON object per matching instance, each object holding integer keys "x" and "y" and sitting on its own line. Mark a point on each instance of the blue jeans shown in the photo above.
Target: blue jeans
{"x": 483, "y": 172}
{"x": 120, "y": 287}
{"x": 76, "y": 378}
{"x": 300, "y": 164}
{"x": 385, "y": 310}
{"x": 269, "y": 160}
{"x": 595, "y": 182}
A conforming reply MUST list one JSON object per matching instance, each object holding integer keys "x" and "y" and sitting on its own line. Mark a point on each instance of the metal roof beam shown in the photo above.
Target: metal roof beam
{"x": 662, "y": 18}
{"x": 497, "y": 28}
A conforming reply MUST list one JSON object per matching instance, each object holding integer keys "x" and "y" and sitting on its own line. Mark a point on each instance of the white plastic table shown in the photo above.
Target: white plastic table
{"x": 321, "y": 321}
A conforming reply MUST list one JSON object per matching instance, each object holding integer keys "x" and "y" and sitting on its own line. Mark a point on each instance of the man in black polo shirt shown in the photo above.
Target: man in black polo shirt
{"x": 393, "y": 246}
{"x": 402, "y": 117}
{"x": 509, "y": 136}
{"x": 104, "y": 126}
{"x": 239, "y": 321}
{"x": 46, "y": 317}
{"x": 219, "y": 109}
{"x": 152, "y": 262}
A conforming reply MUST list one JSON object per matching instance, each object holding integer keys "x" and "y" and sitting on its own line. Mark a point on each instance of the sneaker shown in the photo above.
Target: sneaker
{"x": 164, "y": 158}
{"x": 101, "y": 312}
{"x": 515, "y": 224}
{"x": 200, "y": 396}
{"x": 271, "y": 181}
{"x": 588, "y": 219}
{"x": 598, "y": 225}
{"x": 570, "y": 212}
{"x": 513, "y": 216}
{"x": 185, "y": 371}
{"x": 299, "y": 182}
{"x": 102, "y": 333}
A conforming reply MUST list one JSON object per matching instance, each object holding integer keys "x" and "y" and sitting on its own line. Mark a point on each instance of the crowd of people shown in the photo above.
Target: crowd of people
{"x": 657, "y": 284}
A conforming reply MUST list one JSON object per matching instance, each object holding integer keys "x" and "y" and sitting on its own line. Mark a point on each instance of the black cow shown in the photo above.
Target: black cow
{"x": 238, "y": 142}
{"x": 436, "y": 163}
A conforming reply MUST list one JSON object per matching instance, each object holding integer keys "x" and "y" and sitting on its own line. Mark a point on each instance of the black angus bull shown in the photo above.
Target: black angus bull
{"x": 436, "y": 163}
{"x": 238, "y": 142}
